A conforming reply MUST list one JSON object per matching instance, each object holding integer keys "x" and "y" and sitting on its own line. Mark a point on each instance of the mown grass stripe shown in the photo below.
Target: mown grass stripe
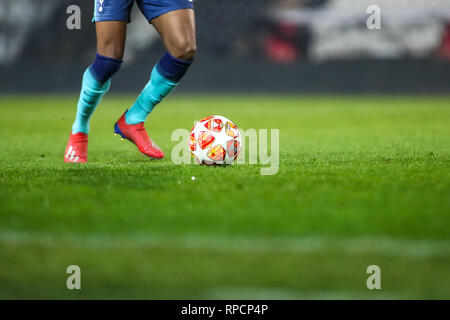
{"x": 383, "y": 245}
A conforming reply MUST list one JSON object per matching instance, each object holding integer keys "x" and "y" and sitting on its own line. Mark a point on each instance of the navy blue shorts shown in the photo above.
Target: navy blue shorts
{"x": 120, "y": 10}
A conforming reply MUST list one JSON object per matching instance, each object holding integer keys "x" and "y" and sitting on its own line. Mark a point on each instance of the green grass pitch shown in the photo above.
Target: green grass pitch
{"x": 362, "y": 181}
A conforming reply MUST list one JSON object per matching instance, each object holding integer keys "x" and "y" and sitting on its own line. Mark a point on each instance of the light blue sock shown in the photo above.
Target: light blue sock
{"x": 92, "y": 92}
{"x": 156, "y": 90}
{"x": 165, "y": 77}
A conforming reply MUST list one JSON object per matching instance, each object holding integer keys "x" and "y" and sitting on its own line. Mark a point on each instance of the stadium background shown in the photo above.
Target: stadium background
{"x": 364, "y": 153}
{"x": 308, "y": 46}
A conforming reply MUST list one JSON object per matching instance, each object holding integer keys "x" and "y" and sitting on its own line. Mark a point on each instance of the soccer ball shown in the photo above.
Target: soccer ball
{"x": 215, "y": 140}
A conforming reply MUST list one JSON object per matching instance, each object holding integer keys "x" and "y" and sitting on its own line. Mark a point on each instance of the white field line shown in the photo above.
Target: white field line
{"x": 382, "y": 245}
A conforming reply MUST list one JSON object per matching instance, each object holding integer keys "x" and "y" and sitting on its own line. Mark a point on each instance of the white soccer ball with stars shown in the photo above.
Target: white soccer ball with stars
{"x": 215, "y": 140}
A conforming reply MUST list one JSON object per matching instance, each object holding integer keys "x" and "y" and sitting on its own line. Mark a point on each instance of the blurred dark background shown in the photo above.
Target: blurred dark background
{"x": 279, "y": 46}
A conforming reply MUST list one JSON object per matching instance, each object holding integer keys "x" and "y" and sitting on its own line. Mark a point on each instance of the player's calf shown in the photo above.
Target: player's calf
{"x": 164, "y": 78}
{"x": 96, "y": 82}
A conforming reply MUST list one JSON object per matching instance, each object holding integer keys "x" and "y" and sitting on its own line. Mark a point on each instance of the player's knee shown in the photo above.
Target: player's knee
{"x": 105, "y": 67}
{"x": 185, "y": 50}
{"x": 111, "y": 48}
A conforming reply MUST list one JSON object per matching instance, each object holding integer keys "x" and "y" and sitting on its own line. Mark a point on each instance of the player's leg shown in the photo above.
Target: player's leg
{"x": 177, "y": 29}
{"x": 97, "y": 77}
{"x": 111, "y": 37}
{"x": 110, "y": 19}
